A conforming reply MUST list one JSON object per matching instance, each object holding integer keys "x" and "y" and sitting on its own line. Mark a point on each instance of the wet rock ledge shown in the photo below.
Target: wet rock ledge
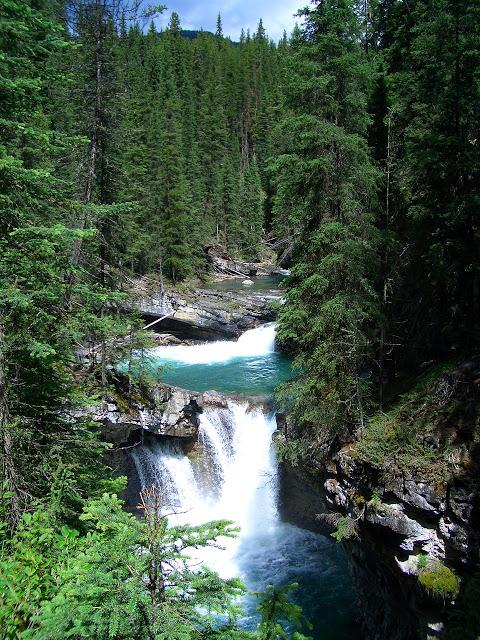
{"x": 202, "y": 314}
{"x": 163, "y": 411}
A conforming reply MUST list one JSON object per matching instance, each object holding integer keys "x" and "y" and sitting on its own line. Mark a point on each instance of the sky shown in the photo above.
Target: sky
{"x": 277, "y": 15}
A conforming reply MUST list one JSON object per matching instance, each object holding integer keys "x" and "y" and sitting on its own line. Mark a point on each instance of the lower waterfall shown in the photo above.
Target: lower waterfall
{"x": 230, "y": 476}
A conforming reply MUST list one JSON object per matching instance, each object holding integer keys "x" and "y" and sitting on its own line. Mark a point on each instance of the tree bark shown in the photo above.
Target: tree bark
{"x": 90, "y": 178}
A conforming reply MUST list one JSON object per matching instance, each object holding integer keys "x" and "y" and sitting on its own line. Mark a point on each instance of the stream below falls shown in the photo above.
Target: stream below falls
{"x": 232, "y": 473}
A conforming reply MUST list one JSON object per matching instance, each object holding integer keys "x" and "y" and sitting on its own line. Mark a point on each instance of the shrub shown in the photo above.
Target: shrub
{"x": 401, "y": 441}
{"x": 422, "y": 561}
{"x": 346, "y": 528}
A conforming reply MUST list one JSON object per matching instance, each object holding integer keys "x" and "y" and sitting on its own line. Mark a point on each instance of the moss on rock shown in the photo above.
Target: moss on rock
{"x": 439, "y": 580}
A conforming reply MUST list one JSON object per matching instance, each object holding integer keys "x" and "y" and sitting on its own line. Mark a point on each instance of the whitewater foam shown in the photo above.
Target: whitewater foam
{"x": 253, "y": 343}
{"x": 238, "y": 445}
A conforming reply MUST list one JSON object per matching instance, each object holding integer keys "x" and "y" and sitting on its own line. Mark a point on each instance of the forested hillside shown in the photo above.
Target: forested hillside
{"x": 178, "y": 138}
{"x": 376, "y": 174}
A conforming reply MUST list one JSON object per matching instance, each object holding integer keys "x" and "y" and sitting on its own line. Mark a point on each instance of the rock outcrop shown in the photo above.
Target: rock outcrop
{"x": 203, "y": 314}
{"x": 398, "y": 522}
{"x": 413, "y": 504}
{"x": 166, "y": 411}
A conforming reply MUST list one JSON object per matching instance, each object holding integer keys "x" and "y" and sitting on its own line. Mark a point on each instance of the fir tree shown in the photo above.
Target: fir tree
{"x": 326, "y": 180}
{"x": 172, "y": 206}
{"x": 219, "y": 28}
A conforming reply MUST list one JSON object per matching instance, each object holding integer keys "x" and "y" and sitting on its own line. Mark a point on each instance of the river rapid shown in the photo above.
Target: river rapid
{"x": 232, "y": 473}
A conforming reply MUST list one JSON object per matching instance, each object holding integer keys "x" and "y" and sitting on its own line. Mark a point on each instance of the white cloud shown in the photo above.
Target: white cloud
{"x": 236, "y": 14}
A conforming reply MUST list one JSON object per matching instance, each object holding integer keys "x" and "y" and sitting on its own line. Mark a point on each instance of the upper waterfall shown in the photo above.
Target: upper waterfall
{"x": 253, "y": 343}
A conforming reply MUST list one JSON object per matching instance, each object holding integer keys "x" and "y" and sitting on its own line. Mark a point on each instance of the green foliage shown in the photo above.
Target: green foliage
{"x": 126, "y": 152}
{"x": 439, "y": 580}
{"x": 28, "y": 567}
{"x": 375, "y": 501}
{"x": 126, "y": 577}
{"x": 346, "y": 528}
{"x": 281, "y": 619}
{"x": 325, "y": 180}
{"x": 385, "y": 274}
{"x": 422, "y": 561}
{"x": 435, "y": 94}
{"x": 58, "y": 334}
{"x": 123, "y": 577}
{"x": 180, "y": 131}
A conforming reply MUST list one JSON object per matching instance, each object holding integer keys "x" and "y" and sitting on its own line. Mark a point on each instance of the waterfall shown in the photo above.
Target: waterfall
{"x": 234, "y": 451}
{"x": 231, "y": 474}
{"x": 165, "y": 465}
{"x": 253, "y": 343}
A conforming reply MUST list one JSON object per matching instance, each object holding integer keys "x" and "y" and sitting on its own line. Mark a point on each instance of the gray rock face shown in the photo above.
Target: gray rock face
{"x": 202, "y": 313}
{"x": 399, "y": 518}
{"x": 426, "y": 518}
{"x": 400, "y": 515}
{"x": 393, "y": 517}
{"x": 423, "y": 496}
{"x": 223, "y": 263}
{"x": 461, "y": 502}
{"x": 169, "y": 411}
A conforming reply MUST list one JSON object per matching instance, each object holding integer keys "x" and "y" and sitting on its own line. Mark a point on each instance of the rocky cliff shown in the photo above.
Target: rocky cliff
{"x": 403, "y": 498}
{"x": 203, "y": 314}
{"x": 163, "y": 410}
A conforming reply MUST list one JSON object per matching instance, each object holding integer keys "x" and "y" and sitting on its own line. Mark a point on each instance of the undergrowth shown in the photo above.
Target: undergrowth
{"x": 401, "y": 439}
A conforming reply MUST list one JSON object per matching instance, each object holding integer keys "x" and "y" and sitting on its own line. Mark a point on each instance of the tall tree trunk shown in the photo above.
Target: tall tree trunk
{"x": 90, "y": 177}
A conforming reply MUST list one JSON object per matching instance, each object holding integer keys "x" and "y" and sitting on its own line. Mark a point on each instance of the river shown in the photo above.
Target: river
{"x": 232, "y": 473}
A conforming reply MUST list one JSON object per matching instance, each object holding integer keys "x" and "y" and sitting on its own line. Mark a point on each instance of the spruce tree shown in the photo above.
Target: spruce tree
{"x": 326, "y": 181}
{"x": 172, "y": 205}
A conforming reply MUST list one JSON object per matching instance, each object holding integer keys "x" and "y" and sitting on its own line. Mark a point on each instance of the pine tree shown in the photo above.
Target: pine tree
{"x": 45, "y": 313}
{"x": 279, "y": 614}
{"x": 121, "y": 576}
{"x": 326, "y": 181}
{"x": 219, "y": 28}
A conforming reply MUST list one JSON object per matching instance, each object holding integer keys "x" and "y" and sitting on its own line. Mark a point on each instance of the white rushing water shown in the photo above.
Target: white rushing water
{"x": 255, "y": 342}
{"x": 232, "y": 477}
{"x": 231, "y": 474}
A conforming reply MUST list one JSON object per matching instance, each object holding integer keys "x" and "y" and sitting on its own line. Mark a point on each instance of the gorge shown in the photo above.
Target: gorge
{"x": 228, "y": 470}
{"x": 205, "y": 439}
{"x": 156, "y": 185}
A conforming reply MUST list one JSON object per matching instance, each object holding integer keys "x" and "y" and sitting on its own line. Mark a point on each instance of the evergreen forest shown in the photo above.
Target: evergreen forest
{"x": 347, "y": 155}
